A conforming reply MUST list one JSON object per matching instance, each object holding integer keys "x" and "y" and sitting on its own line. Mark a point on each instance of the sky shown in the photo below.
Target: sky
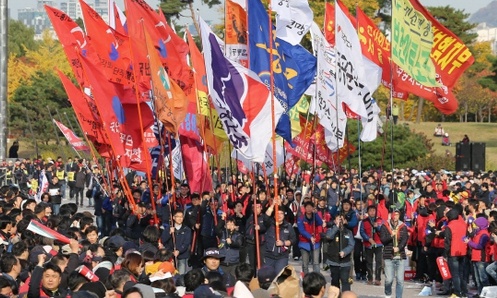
{"x": 469, "y": 6}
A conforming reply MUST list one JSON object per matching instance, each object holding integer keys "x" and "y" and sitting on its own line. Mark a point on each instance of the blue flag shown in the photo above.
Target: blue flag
{"x": 293, "y": 68}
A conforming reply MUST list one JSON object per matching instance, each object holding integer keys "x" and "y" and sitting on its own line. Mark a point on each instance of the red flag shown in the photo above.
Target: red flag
{"x": 376, "y": 47}
{"x": 72, "y": 38}
{"x": 113, "y": 48}
{"x": 242, "y": 167}
{"x": 88, "y": 117}
{"x": 72, "y": 138}
{"x": 329, "y": 23}
{"x": 196, "y": 165}
{"x": 119, "y": 120}
{"x": 292, "y": 166}
{"x": 173, "y": 50}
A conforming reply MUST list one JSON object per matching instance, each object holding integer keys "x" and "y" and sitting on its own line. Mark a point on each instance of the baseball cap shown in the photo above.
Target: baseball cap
{"x": 266, "y": 274}
{"x": 212, "y": 253}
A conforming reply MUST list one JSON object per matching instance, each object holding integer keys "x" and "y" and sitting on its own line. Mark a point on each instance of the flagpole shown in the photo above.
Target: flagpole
{"x": 273, "y": 119}
{"x": 391, "y": 89}
{"x": 337, "y": 102}
{"x": 55, "y": 126}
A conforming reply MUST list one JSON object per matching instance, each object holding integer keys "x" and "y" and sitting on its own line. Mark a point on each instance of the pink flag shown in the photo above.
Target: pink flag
{"x": 196, "y": 165}
{"x": 44, "y": 231}
{"x": 72, "y": 138}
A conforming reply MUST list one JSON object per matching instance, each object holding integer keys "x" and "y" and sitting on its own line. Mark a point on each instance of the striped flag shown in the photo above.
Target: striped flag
{"x": 44, "y": 231}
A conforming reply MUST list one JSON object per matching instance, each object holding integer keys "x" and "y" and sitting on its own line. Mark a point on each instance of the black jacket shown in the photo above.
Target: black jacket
{"x": 386, "y": 238}
{"x": 231, "y": 252}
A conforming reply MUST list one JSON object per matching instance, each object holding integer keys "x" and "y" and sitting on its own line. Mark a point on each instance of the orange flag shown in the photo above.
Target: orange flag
{"x": 170, "y": 101}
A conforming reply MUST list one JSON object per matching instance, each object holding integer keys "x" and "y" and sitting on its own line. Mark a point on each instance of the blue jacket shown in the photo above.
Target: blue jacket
{"x": 183, "y": 239}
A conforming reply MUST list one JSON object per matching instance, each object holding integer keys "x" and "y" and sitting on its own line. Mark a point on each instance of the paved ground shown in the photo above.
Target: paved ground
{"x": 363, "y": 290}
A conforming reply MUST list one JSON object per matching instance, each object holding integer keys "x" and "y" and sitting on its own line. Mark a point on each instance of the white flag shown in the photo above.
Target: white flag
{"x": 370, "y": 128}
{"x": 293, "y": 19}
{"x": 268, "y": 159}
{"x": 351, "y": 89}
{"x": 353, "y": 81}
{"x": 325, "y": 103}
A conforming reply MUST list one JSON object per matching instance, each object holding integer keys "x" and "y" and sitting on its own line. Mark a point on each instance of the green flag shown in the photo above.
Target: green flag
{"x": 412, "y": 40}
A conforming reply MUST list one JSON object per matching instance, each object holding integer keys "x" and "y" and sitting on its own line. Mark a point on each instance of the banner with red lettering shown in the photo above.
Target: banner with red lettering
{"x": 451, "y": 58}
{"x": 376, "y": 47}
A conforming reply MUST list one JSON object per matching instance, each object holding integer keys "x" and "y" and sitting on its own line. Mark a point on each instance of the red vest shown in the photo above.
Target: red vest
{"x": 481, "y": 255}
{"x": 311, "y": 228}
{"x": 458, "y": 229}
{"x": 368, "y": 229}
{"x": 421, "y": 223}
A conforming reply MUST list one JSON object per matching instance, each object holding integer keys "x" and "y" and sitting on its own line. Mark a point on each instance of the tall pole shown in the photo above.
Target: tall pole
{"x": 4, "y": 21}
{"x": 56, "y": 130}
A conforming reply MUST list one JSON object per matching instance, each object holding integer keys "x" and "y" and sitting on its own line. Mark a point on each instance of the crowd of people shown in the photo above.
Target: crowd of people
{"x": 237, "y": 240}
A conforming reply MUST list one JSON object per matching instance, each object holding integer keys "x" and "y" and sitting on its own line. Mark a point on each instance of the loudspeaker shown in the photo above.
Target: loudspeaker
{"x": 478, "y": 156}
{"x": 463, "y": 157}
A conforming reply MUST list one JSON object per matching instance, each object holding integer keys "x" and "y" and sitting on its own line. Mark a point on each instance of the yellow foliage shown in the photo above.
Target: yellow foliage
{"x": 49, "y": 55}
{"x": 17, "y": 71}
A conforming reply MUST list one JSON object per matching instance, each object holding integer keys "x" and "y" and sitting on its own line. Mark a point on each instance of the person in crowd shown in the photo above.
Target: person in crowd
{"x": 373, "y": 247}
{"x": 257, "y": 223}
{"x": 480, "y": 246}
{"x": 310, "y": 227}
{"x": 178, "y": 240}
{"x": 230, "y": 242}
{"x": 393, "y": 235}
{"x": 339, "y": 254}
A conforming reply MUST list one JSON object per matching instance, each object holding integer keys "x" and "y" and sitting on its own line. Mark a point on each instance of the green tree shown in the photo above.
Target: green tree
{"x": 21, "y": 38}
{"x": 408, "y": 147}
{"x": 42, "y": 89}
{"x": 173, "y": 8}
{"x": 456, "y": 21}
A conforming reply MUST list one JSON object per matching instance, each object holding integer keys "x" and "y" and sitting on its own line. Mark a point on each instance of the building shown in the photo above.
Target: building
{"x": 37, "y": 18}
{"x": 487, "y": 34}
{"x": 34, "y": 18}
{"x": 73, "y": 8}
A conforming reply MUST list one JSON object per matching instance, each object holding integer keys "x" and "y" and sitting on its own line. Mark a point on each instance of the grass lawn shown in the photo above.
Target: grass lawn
{"x": 477, "y": 132}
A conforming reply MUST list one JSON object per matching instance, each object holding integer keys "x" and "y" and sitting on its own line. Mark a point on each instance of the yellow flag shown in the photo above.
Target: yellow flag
{"x": 412, "y": 40}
